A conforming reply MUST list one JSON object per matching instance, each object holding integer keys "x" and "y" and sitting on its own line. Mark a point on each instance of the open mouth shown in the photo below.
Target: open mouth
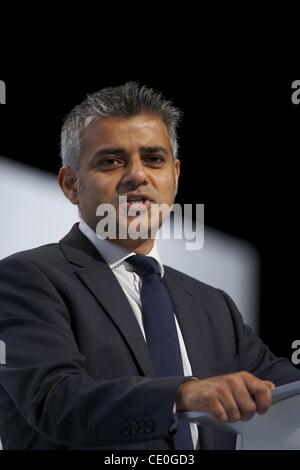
{"x": 137, "y": 202}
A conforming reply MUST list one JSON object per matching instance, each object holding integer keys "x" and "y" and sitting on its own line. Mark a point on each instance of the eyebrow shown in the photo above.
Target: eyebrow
{"x": 110, "y": 151}
{"x": 121, "y": 152}
{"x": 153, "y": 149}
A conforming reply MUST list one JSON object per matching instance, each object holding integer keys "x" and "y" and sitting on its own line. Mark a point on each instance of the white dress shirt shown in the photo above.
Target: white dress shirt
{"x": 130, "y": 282}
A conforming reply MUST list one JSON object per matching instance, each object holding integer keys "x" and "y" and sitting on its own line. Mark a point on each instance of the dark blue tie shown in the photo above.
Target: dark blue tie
{"x": 160, "y": 330}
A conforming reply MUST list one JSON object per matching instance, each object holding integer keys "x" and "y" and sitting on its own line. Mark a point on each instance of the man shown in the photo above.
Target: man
{"x": 104, "y": 344}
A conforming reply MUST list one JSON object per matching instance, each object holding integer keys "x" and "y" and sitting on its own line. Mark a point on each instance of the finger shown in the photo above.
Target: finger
{"x": 262, "y": 394}
{"x": 270, "y": 384}
{"x": 230, "y": 404}
{"x": 243, "y": 399}
{"x": 218, "y": 411}
{"x": 206, "y": 399}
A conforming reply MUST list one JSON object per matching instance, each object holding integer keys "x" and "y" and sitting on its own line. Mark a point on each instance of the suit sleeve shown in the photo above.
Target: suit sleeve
{"x": 45, "y": 372}
{"x": 255, "y": 357}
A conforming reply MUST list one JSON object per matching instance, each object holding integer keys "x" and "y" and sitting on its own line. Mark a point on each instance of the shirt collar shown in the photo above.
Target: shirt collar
{"x": 114, "y": 254}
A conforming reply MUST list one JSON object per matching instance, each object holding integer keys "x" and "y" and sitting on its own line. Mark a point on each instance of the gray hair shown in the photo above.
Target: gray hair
{"x": 123, "y": 101}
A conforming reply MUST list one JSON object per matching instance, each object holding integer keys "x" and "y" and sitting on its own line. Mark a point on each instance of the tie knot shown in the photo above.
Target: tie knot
{"x": 143, "y": 265}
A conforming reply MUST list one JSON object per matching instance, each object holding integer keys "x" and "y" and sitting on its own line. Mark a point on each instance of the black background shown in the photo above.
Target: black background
{"x": 238, "y": 146}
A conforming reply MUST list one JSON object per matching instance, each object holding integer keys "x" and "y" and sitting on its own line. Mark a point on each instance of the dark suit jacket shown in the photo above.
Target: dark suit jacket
{"x": 78, "y": 373}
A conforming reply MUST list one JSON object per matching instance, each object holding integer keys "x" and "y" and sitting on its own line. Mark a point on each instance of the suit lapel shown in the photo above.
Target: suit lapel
{"x": 191, "y": 318}
{"x": 97, "y": 276}
{"x": 102, "y": 283}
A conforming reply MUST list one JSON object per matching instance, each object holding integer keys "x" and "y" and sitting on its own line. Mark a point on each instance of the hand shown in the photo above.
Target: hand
{"x": 228, "y": 398}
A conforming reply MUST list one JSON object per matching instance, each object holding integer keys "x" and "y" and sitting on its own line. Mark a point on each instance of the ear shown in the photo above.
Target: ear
{"x": 68, "y": 181}
{"x": 177, "y": 173}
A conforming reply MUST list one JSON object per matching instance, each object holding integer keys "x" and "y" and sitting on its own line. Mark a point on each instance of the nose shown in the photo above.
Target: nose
{"x": 135, "y": 174}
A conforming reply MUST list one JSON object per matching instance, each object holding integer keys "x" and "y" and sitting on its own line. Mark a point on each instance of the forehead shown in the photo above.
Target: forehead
{"x": 143, "y": 130}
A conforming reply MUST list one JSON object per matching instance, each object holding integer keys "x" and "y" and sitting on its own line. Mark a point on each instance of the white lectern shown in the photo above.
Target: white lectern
{"x": 278, "y": 429}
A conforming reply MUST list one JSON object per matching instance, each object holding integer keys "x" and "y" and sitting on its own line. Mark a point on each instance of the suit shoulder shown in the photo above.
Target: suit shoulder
{"x": 191, "y": 282}
{"x": 41, "y": 254}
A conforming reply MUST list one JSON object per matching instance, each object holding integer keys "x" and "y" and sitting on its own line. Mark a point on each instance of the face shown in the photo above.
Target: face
{"x": 122, "y": 157}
